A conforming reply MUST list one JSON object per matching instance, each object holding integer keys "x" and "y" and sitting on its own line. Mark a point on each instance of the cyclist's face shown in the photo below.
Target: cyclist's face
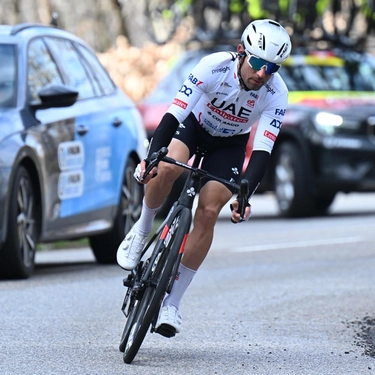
{"x": 253, "y": 79}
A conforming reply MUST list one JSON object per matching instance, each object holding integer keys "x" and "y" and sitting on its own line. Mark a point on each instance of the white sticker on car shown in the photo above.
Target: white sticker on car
{"x": 70, "y": 184}
{"x": 103, "y": 171}
{"x": 71, "y": 155}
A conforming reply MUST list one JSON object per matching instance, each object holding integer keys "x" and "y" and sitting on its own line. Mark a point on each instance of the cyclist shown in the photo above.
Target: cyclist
{"x": 215, "y": 108}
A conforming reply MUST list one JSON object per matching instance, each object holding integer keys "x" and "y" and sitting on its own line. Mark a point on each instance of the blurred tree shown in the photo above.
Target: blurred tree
{"x": 98, "y": 22}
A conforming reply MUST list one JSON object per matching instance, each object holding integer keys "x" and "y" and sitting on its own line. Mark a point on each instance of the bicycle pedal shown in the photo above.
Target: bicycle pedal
{"x": 166, "y": 330}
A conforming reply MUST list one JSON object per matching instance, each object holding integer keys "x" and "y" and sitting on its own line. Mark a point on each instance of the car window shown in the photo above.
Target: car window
{"x": 69, "y": 62}
{"x": 351, "y": 75}
{"x": 42, "y": 70}
{"x": 7, "y": 75}
{"x": 99, "y": 73}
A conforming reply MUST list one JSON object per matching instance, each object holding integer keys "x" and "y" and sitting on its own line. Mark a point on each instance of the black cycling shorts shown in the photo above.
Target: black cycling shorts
{"x": 224, "y": 155}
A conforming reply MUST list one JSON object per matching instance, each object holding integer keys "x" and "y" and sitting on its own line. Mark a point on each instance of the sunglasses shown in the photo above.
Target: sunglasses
{"x": 257, "y": 64}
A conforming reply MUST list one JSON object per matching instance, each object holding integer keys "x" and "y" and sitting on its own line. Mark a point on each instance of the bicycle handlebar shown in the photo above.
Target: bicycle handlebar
{"x": 242, "y": 189}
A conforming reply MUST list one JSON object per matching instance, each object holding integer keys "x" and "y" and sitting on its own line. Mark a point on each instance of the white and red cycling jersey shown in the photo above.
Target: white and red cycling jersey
{"x": 212, "y": 92}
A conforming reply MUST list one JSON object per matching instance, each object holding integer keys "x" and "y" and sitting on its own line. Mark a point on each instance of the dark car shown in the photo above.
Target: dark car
{"x": 327, "y": 142}
{"x": 69, "y": 143}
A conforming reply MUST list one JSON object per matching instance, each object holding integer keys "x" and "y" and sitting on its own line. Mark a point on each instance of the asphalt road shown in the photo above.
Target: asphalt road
{"x": 274, "y": 296}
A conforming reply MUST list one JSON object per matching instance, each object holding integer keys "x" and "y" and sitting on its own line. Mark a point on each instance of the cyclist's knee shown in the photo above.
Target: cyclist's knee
{"x": 168, "y": 173}
{"x": 206, "y": 215}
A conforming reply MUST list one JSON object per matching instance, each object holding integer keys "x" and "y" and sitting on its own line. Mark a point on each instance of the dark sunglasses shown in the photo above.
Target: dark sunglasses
{"x": 257, "y": 64}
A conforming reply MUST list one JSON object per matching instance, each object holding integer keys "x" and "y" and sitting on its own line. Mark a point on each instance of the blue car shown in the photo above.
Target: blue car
{"x": 69, "y": 143}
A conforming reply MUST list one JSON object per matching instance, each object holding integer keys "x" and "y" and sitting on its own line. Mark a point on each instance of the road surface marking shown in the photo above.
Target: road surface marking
{"x": 294, "y": 244}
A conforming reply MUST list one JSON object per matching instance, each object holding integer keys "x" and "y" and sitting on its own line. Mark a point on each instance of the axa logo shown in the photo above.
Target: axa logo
{"x": 276, "y": 123}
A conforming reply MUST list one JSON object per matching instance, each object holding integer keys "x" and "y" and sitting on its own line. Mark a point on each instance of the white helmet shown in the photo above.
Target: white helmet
{"x": 268, "y": 40}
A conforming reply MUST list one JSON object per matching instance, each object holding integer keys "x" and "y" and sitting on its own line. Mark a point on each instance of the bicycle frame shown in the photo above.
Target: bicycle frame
{"x": 154, "y": 277}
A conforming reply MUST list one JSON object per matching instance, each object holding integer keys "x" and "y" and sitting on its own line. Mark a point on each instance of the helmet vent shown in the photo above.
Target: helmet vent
{"x": 263, "y": 42}
{"x": 249, "y": 40}
{"x": 280, "y": 50}
{"x": 274, "y": 23}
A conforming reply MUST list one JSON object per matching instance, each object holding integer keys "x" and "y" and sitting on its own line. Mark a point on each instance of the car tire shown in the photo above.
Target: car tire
{"x": 104, "y": 246}
{"x": 17, "y": 258}
{"x": 291, "y": 182}
{"x": 323, "y": 201}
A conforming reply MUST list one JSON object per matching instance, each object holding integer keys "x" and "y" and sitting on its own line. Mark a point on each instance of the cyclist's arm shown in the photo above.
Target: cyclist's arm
{"x": 266, "y": 133}
{"x": 198, "y": 82}
{"x": 163, "y": 133}
{"x": 256, "y": 169}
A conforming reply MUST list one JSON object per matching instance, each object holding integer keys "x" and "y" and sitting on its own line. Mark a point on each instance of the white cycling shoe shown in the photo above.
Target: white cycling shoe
{"x": 169, "y": 322}
{"x": 130, "y": 250}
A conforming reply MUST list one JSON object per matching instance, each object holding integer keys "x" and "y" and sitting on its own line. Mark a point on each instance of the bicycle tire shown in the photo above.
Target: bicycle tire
{"x": 128, "y": 324}
{"x": 162, "y": 274}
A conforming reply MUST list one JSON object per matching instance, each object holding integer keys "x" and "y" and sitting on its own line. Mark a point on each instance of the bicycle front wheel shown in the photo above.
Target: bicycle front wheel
{"x": 169, "y": 246}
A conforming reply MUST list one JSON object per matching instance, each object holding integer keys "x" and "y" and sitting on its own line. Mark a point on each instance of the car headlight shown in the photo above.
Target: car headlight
{"x": 327, "y": 122}
{"x": 330, "y": 123}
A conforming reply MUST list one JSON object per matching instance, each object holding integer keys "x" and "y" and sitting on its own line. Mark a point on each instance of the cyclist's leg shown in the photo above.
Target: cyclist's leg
{"x": 160, "y": 186}
{"x": 130, "y": 249}
{"x": 225, "y": 160}
{"x": 212, "y": 198}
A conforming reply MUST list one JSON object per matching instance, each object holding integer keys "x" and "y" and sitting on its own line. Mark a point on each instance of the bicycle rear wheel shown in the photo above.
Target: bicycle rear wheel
{"x": 168, "y": 246}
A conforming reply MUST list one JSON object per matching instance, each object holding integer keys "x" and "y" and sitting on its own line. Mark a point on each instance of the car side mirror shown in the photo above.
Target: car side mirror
{"x": 54, "y": 96}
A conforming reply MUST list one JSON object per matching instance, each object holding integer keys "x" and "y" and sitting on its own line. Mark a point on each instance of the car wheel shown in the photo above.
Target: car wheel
{"x": 291, "y": 182}
{"x": 104, "y": 246}
{"x": 323, "y": 201}
{"x": 18, "y": 252}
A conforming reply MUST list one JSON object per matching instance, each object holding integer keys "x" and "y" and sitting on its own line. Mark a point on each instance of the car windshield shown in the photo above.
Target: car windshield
{"x": 7, "y": 75}
{"x": 304, "y": 73}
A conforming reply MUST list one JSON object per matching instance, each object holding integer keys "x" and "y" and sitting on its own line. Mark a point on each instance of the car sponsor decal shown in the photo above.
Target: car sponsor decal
{"x": 320, "y": 59}
{"x": 70, "y": 184}
{"x": 331, "y": 99}
{"x": 103, "y": 172}
{"x": 71, "y": 159}
{"x": 70, "y": 155}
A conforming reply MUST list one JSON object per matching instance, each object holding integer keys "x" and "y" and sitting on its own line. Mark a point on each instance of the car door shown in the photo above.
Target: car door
{"x": 47, "y": 129}
{"x": 99, "y": 130}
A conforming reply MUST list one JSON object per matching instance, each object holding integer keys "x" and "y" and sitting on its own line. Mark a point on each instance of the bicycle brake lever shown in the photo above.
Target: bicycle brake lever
{"x": 243, "y": 198}
{"x": 154, "y": 160}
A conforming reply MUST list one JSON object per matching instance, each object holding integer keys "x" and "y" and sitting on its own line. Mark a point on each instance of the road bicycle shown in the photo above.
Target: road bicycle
{"x": 155, "y": 273}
